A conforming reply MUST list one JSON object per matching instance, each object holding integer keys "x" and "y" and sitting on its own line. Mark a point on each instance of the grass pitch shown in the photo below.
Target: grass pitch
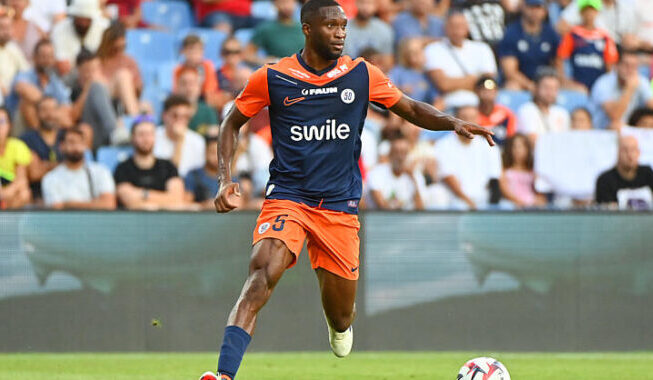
{"x": 322, "y": 366}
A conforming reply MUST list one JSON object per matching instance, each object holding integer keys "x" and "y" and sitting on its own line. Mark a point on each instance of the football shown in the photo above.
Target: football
{"x": 483, "y": 369}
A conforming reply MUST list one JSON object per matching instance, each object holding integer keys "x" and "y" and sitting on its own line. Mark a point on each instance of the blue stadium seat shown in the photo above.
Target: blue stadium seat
{"x": 172, "y": 15}
{"x": 155, "y": 96}
{"x": 264, "y": 10}
{"x": 111, "y": 156}
{"x": 151, "y": 46}
{"x": 244, "y": 35}
{"x": 513, "y": 99}
{"x": 164, "y": 76}
{"x": 570, "y": 99}
{"x": 212, "y": 39}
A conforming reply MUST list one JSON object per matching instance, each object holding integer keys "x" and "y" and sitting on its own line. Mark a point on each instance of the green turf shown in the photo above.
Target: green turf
{"x": 314, "y": 366}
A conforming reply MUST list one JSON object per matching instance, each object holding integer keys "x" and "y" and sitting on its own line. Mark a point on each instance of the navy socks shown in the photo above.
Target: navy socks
{"x": 234, "y": 345}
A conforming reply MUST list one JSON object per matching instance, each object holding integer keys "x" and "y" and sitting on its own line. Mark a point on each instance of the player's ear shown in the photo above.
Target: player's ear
{"x": 306, "y": 29}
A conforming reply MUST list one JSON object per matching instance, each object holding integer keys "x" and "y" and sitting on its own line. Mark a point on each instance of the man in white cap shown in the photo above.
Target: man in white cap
{"x": 82, "y": 29}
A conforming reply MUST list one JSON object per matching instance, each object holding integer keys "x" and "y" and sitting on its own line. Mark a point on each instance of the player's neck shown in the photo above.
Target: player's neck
{"x": 314, "y": 60}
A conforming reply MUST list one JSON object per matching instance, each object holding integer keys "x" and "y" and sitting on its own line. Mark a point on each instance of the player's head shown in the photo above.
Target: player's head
{"x": 323, "y": 24}
{"x": 73, "y": 145}
{"x": 456, "y": 27}
{"x": 628, "y": 153}
{"x": 547, "y": 85}
{"x": 399, "y": 149}
{"x": 518, "y": 151}
{"x": 628, "y": 64}
{"x": 212, "y": 152}
{"x": 143, "y": 135}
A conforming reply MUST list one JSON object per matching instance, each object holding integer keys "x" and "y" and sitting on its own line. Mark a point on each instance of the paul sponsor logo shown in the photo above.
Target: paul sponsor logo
{"x": 329, "y": 131}
{"x": 319, "y": 91}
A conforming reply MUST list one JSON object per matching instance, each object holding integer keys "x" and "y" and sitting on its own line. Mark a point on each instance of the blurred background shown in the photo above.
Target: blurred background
{"x": 110, "y": 111}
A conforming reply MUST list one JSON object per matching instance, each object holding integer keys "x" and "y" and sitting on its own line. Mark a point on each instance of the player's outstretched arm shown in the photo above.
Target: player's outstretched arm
{"x": 227, "y": 198}
{"x": 428, "y": 117}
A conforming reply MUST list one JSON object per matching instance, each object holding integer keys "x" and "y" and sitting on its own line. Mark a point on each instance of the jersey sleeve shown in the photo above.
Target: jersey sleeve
{"x": 382, "y": 90}
{"x": 610, "y": 54}
{"x": 566, "y": 46}
{"x": 255, "y": 95}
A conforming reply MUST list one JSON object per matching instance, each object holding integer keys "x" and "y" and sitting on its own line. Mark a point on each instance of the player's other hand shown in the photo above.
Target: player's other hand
{"x": 468, "y": 130}
{"x": 228, "y": 197}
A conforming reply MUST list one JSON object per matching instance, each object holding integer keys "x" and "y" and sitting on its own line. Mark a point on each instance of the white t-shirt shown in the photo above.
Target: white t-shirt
{"x": 473, "y": 164}
{"x": 13, "y": 61}
{"x": 42, "y": 12}
{"x": 401, "y": 189}
{"x": 65, "y": 185}
{"x": 67, "y": 44}
{"x": 192, "y": 153}
{"x": 532, "y": 120}
{"x": 618, "y": 19}
{"x": 644, "y": 14}
{"x": 256, "y": 162}
{"x": 473, "y": 58}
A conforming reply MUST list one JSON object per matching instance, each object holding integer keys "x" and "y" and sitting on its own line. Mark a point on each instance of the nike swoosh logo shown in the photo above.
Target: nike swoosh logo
{"x": 289, "y": 102}
{"x": 354, "y": 269}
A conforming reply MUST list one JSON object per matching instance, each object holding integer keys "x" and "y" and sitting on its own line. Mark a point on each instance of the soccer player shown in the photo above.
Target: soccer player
{"x": 318, "y": 101}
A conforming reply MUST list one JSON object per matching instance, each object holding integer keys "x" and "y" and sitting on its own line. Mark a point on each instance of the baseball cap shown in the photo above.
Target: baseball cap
{"x": 596, "y": 4}
{"x": 533, "y": 3}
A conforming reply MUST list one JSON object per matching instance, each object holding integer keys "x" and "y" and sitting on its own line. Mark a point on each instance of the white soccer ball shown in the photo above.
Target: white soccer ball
{"x": 483, "y": 369}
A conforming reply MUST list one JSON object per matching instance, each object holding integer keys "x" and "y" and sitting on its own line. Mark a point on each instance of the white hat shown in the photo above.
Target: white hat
{"x": 85, "y": 8}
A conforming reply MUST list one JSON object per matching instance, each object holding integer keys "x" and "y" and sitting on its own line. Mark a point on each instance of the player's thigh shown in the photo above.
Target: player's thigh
{"x": 271, "y": 256}
{"x": 338, "y": 294}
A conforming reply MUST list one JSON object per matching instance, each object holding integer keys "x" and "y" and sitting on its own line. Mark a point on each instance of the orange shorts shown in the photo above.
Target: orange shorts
{"x": 333, "y": 242}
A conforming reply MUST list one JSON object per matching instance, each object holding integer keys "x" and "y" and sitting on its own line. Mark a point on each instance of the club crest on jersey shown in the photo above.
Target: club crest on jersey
{"x": 348, "y": 96}
{"x": 263, "y": 227}
{"x": 319, "y": 91}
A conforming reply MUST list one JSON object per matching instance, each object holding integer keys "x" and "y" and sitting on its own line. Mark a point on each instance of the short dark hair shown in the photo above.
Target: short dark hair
{"x": 190, "y": 40}
{"x": 84, "y": 56}
{"x": 74, "y": 131}
{"x": 142, "y": 119}
{"x": 624, "y": 52}
{"x": 639, "y": 114}
{"x": 42, "y": 42}
{"x": 174, "y": 101}
{"x": 545, "y": 72}
{"x": 312, "y": 7}
{"x": 45, "y": 98}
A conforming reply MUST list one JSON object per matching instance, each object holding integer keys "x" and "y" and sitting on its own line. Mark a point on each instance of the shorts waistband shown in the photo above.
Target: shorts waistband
{"x": 347, "y": 206}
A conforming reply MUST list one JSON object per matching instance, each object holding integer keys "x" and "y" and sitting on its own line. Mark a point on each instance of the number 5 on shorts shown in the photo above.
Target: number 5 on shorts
{"x": 279, "y": 222}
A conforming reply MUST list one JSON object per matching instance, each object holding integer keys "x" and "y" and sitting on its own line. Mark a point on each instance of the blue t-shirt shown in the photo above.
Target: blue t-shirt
{"x": 45, "y": 152}
{"x": 532, "y": 52}
{"x": 590, "y": 53}
{"x": 406, "y": 25}
{"x": 201, "y": 185}
{"x": 606, "y": 89}
{"x": 54, "y": 88}
{"x": 413, "y": 83}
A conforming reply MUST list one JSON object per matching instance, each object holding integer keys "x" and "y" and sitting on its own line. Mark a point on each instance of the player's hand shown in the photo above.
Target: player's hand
{"x": 228, "y": 197}
{"x": 470, "y": 129}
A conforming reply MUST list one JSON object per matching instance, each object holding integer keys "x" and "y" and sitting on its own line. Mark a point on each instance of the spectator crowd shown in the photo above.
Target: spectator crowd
{"x": 116, "y": 103}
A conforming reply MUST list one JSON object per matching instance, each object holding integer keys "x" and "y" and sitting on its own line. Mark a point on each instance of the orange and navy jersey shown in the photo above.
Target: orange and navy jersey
{"x": 502, "y": 121}
{"x": 591, "y": 53}
{"x": 316, "y": 118}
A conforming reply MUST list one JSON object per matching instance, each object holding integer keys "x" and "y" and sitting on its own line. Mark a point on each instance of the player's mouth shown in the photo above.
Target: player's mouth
{"x": 338, "y": 45}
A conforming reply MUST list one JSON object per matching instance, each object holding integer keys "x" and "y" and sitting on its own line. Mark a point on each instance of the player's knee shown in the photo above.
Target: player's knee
{"x": 341, "y": 321}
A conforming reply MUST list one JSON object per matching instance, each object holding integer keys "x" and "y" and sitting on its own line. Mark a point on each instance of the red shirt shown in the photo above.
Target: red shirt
{"x": 233, "y": 7}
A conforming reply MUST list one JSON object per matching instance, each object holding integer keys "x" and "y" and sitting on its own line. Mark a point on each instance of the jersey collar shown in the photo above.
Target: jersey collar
{"x": 312, "y": 70}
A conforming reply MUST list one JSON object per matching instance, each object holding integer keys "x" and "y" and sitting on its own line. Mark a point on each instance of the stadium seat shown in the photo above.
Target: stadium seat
{"x": 172, "y": 15}
{"x": 264, "y": 10}
{"x": 513, "y": 99}
{"x": 111, "y": 156}
{"x": 244, "y": 35}
{"x": 155, "y": 96}
{"x": 645, "y": 71}
{"x": 165, "y": 73}
{"x": 151, "y": 46}
{"x": 212, "y": 39}
{"x": 570, "y": 100}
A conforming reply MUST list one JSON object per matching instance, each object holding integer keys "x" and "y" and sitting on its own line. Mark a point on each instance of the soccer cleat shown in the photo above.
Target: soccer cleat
{"x": 213, "y": 376}
{"x": 341, "y": 342}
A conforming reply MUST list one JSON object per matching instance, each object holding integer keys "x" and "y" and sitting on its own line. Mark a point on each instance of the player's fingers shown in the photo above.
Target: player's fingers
{"x": 465, "y": 132}
{"x": 490, "y": 140}
{"x": 237, "y": 189}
